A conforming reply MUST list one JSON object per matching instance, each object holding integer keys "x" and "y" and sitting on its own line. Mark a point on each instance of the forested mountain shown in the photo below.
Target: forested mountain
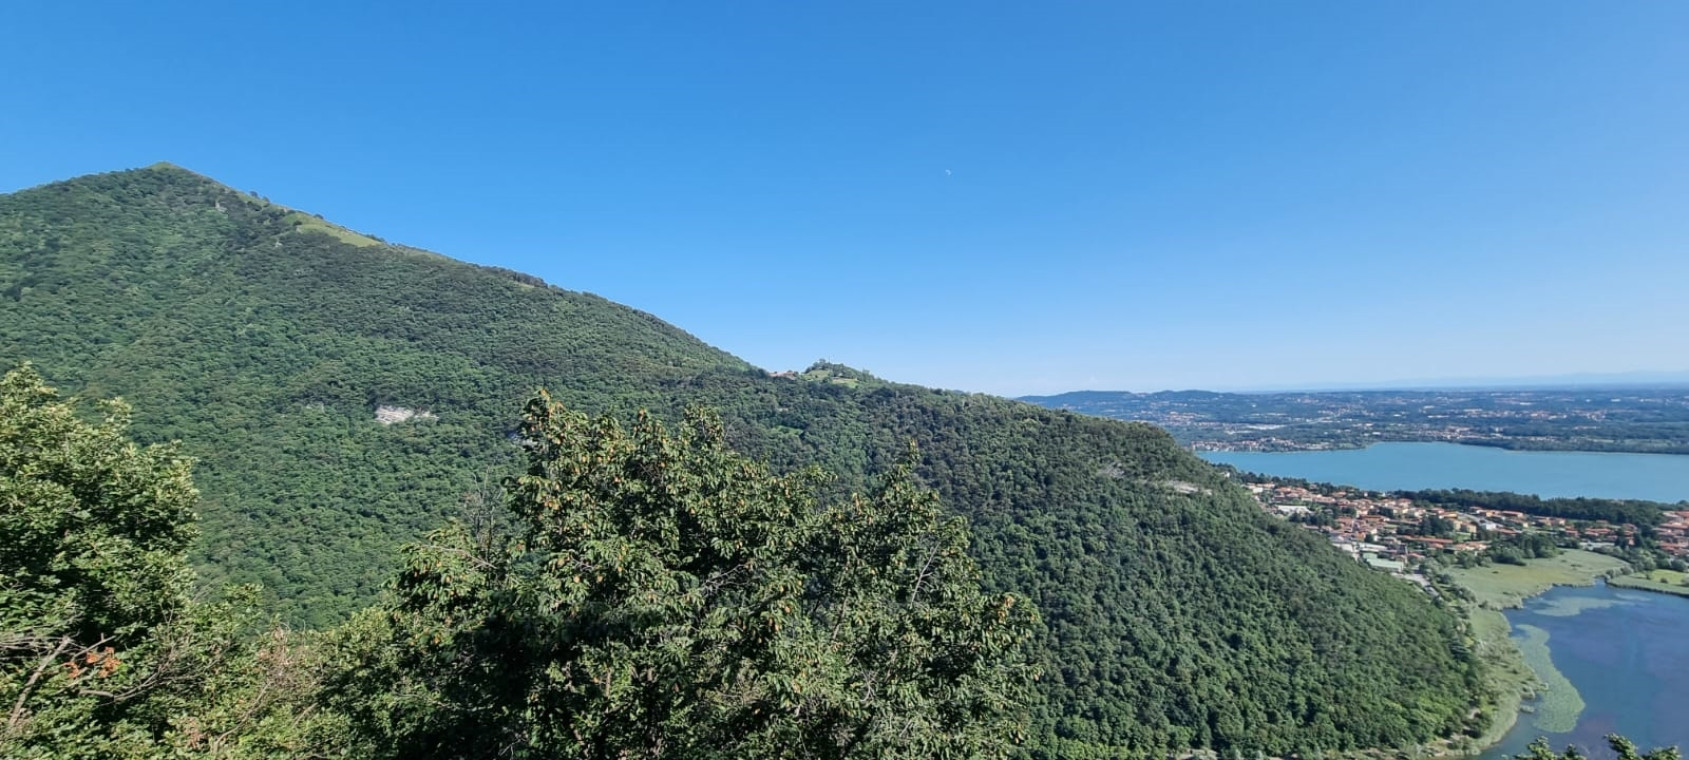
{"x": 343, "y": 395}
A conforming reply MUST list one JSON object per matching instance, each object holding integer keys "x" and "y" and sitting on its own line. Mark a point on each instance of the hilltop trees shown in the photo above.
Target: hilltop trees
{"x": 664, "y": 597}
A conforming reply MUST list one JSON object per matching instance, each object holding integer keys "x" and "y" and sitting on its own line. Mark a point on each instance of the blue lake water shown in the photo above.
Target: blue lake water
{"x": 1626, "y": 652}
{"x": 1410, "y": 466}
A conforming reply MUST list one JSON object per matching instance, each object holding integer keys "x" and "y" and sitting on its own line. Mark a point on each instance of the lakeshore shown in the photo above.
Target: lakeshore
{"x": 1611, "y": 659}
{"x": 1657, "y": 581}
{"x": 1499, "y": 587}
{"x": 1572, "y": 653}
{"x": 1532, "y": 695}
{"x": 1511, "y": 676}
{"x": 1417, "y": 466}
{"x": 1527, "y": 692}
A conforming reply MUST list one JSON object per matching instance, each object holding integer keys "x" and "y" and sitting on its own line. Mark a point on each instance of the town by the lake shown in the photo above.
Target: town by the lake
{"x": 1395, "y": 534}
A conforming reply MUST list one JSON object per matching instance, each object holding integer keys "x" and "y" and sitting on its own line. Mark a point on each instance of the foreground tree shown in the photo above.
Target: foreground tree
{"x": 92, "y": 580}
{"x": 663, "y": 597}
{"x": 103, "y": 653}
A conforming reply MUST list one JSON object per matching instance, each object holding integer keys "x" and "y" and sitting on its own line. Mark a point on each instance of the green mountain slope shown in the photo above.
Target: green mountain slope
{"x": 269, "y": 341}
{"x": 266, "y": 343}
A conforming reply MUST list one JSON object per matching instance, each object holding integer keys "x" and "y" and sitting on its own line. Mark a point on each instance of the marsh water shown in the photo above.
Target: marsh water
{"x": 1626, "y": 653}
{"x": 1412, "y": 466}
{"x": 1618, "y": 658}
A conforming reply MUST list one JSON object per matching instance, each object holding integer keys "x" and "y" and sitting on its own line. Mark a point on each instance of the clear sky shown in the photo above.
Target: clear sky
{"x": 1012, "y": 198}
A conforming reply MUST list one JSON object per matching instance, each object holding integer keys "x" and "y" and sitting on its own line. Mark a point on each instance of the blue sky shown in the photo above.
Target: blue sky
{"x": 1011, "y": 198}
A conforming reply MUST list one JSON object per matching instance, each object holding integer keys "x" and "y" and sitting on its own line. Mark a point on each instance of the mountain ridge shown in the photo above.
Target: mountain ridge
{"x": 1173, "y": 618}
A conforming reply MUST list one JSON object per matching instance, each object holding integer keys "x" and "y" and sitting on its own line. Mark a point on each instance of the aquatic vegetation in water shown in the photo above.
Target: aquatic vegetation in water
{"x": 1570, "y": 606}
{"x": 1559, "y": 704}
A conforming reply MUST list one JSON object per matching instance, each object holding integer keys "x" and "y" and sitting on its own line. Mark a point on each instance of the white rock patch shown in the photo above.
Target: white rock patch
{"x": 391, "y": 415}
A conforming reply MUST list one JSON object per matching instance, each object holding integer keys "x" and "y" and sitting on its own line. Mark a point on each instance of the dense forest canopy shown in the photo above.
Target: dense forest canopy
{"x": 640, "y": 594}
{"x": 344, "y": 396}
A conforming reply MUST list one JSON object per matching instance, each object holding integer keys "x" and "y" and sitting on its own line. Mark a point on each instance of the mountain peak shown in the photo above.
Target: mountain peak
{"x": 178, "y": 171}
{"x": 170, "y": 174}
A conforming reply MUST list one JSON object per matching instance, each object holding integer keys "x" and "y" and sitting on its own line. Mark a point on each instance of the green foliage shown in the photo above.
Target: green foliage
{"x": 266, "y": 347}
{"x": 1623, "y": 749}
{"x": 1517, "y": 548}
{"x": 92, "y": 530}
{"x": 102, "y": 651}
{"x": 1173, "y": 613}
{"x": 1616, "y": 511}
{"x": 664, "y": 597}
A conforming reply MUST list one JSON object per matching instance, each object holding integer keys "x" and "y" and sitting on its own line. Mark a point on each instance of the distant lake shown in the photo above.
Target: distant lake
{"x": 1626, "y": 653}
{"x": 1413, "y": 466}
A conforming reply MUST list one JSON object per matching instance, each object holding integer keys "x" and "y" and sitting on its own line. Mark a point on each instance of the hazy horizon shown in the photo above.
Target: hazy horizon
{"x": 1623, "y": 380}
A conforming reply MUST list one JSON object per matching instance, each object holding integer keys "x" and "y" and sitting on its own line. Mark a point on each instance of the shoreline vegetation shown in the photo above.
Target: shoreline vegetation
{"x": 1514, "y": 679}
{"x": 1520, "y": 677}
{"x": 1657, "y": 581}
{"x": 1507, "y": 676}
{"x": 1521, "y": 682}
{"x": 1501, "y": 586}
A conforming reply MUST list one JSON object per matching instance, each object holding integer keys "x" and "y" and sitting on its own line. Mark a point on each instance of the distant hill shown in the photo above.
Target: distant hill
{"x": 343, "y": 395}
{"x": 1642, "y": 419}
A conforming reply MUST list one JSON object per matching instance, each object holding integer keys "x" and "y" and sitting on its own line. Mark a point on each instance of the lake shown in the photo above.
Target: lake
{"x": 1413, "y": 466}
{"x": 1626, "y": 654}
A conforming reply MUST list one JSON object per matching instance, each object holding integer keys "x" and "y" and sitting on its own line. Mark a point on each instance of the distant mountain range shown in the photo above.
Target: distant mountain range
{"x": 1644, "y": 379}
{"x": 344, "y": 395}
{"x": 1645, "y": 418}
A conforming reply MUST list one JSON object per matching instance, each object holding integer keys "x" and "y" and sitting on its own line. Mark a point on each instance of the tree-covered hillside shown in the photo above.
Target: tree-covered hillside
{"x": 265, "y": 344}
{"x": 283, "y": 351}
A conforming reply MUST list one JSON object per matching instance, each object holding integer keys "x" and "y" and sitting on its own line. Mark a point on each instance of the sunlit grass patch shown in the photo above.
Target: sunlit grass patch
{"x": 1500, "y": 586}
{"x": 1663, "y": 581}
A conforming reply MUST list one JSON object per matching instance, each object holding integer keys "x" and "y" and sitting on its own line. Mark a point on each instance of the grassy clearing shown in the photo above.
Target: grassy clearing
{"x": 1670, "y": 577}
{"x": 823, "y": 375}
{"x": 1663, "y": 581}
{"x": 306, "y": 223}
{"x": 1504, "y": 586}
